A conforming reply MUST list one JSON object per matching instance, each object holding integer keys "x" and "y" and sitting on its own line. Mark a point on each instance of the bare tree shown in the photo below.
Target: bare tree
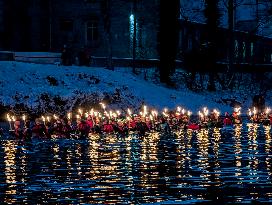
{"x": 192, "y": 10}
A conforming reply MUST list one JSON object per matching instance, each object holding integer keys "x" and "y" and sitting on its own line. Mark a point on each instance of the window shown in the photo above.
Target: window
{"x": 244, "y": 50}
{"x": 92, "y": 31}
{"x": 236, "y": 49}
{"x": 66, "y": 25}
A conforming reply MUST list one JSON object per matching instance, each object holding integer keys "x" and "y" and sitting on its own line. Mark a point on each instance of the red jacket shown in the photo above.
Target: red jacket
{"x": 227, "y": 121}
{"x": 39, "y": 131}
{"x": 108, "y": 128}
{"x": 90, "y": 123}
{"x": 193, "y": 126}
{"x": 84, "y": 127}
{"x": 132, "y": 124}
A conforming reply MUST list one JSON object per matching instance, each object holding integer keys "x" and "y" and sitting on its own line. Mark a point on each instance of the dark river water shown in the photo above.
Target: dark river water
{"x": 204, "y": 167}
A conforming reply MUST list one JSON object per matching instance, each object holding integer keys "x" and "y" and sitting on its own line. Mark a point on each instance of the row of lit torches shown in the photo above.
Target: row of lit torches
{"x": 145, "y": 112}
{"x": 110, "y": 114}
{"x": 254, "y": 111}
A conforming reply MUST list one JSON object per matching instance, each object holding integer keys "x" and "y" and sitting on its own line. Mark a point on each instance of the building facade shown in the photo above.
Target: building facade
{"x": 47, "y": 25}
{"x": 248, "y": 15}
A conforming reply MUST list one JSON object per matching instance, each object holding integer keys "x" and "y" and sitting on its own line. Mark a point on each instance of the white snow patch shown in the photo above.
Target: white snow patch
{"x": 26, "y": 82}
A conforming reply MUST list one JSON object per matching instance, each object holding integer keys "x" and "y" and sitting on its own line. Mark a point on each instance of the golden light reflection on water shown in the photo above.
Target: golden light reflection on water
{"x": 111, "y": 153}
{"x": 253, "y": 160}
{"x": 56, "y": 157}
{"x": 216, "y": 147}
{"x": 148, "y": 158}
{"x": 143, "y": 169}
{"x": 267, "y": 130}
{"x": 181, "y": 155}
{"x": 10, "y": 170}
{"x": 238, "y": 151}
{"x": 203, "y": 155}
{"x": 183, "y": 150}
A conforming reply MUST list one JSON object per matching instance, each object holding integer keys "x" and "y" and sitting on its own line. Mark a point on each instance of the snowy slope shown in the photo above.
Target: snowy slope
{"x": 36, "y": 85}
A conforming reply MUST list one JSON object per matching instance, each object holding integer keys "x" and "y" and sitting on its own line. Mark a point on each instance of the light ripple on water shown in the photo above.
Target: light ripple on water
{"x": 209, "y": 166}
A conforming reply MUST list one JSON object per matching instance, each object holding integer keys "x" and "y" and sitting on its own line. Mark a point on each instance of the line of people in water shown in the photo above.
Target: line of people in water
{"x": 83, "y": 126}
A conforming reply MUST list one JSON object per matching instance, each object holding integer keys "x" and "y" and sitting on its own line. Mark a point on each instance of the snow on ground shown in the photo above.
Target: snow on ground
{"x": 41, "y": 87}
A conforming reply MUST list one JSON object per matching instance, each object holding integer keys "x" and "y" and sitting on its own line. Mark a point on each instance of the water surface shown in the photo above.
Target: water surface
{"x": 205, "y": 167}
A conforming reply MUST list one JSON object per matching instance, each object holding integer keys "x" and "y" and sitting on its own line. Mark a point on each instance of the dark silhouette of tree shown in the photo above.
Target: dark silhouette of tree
{"x": 168, "y": 37}
{"x": 106, "y": 11}
{"x": 212, "y": 15}
{"x": 230, "y": 8}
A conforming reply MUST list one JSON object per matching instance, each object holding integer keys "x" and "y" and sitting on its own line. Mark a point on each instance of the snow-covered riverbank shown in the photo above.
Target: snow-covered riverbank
{"x": 48, "y": 88}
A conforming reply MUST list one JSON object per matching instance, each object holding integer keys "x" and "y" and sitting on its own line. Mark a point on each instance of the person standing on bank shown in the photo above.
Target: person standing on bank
{"x": 66, "y": 56}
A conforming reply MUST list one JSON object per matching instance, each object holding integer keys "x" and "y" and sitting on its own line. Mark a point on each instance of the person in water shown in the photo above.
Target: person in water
{"x": 236, "y": 118}
{"x": 39, "y": 130}
{"x": 18, "y": 132}
{"x": 165, "y": 126}
{"x": 227, "y": 120}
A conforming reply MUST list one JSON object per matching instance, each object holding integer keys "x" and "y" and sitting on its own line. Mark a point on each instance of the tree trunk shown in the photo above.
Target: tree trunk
{"x": 212, "y": 21}
{"x": 106, "y": 10}
{"x": 231, "y": 40}
{"x": 168, "y": 37}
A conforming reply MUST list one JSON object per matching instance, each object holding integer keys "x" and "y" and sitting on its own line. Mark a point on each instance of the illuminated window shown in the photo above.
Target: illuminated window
{"x": 92, "y": 31}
